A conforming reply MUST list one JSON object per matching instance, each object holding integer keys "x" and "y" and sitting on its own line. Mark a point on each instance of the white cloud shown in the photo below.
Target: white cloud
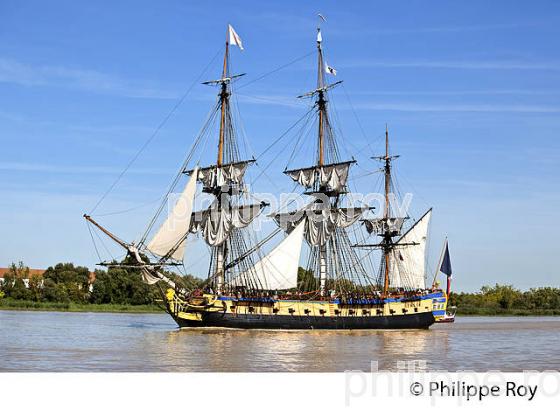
{"x": 420, "y": 107}
{"x": 270, "y": 99}
{"x": 460, "y": 92}
{"x": 65, "y": 169}
{"x": 455, "y": 64}
{"x": 15, "y": 72}
{"x": 450, "y": 29}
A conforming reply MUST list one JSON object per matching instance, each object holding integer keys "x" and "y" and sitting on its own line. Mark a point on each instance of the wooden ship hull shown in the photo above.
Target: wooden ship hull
{"x": 268, "y": 313}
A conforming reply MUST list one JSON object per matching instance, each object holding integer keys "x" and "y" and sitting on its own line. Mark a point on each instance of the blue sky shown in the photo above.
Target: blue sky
{"x": 470, "y": 90}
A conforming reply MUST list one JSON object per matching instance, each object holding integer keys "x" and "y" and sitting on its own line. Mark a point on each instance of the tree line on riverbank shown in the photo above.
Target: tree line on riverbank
{"x": 68, "y": 287}
{"x": 75, "y": 286}
{"x": 507, "y": 300}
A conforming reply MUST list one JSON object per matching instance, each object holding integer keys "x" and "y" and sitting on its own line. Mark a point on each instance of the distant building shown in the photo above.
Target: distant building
{"x": 40, "y": 272}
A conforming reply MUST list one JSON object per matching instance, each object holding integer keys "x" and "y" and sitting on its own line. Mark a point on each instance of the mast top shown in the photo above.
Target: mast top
{"x": 386, "y": 157}
{"x": 231, "y": 38}
{"x": 319, "y": 37}
{"x": 327, "y": 151}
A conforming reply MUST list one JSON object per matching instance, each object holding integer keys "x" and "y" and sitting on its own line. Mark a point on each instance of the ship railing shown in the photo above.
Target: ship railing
{"x": 250, "y": 299}
{"x": 358, "y": 301}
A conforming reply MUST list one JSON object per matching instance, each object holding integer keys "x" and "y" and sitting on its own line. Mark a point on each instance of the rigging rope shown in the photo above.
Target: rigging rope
{"x": 124, "y": 211}
{"x": 93, "y": 241}
{"x": 355, "y": 113}
{"x": 175, "y": 181}
{"x": 304, "y": 131}
{"x": 263, "y": 171}
{"x": 154, "y": 134}
{"x": 276, "y": 70}
{"x": 103, "y": 244}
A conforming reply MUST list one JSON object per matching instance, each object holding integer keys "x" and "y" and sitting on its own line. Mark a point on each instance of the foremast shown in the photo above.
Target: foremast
{"x": 221, "y": 222}
{"x": 225, "y": 181}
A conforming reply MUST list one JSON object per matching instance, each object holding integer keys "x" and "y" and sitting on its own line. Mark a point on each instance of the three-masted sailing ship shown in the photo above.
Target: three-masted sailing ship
{"x": 334, "y": 290}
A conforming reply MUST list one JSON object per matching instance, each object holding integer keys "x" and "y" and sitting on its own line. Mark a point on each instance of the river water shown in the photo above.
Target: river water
{"x": 52, "y": 341}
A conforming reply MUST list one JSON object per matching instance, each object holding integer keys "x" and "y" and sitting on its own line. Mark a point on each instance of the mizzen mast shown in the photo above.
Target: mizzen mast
{"x": 387, "y": 233}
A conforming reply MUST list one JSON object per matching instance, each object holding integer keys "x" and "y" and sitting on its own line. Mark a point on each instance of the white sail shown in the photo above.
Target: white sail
{"x": 279, "y": 268}
{"x": 331, "y": 176}
{"x": 408, "y": 262}
{"x": 304, "y": 177}
{"x": 215, "y": 177}
{"x": 176, "y": 226}
{"x": 320, "y": 224}
{"x": 216, "y": 224}
{"x": 379, "y": 225}
{"x": 335, "y": 176}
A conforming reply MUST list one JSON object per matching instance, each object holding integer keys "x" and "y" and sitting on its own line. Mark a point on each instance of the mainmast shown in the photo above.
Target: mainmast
{"x": 224, "y": 100}
{"x": 321, "y": 102}
{"x": 322, "y": 108}
{"x": 326, "y": 180}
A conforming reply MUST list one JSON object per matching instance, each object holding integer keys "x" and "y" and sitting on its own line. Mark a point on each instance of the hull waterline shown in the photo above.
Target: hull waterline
{"x": 247, "y": 321}
{"x": 268, "y": 313}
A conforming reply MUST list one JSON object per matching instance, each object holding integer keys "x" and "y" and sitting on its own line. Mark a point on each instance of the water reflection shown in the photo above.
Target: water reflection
{"x": 45, "y": 341}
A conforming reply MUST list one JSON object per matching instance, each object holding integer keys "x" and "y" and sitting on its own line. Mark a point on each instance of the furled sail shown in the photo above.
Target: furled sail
{"x": 216, "y": 223}
{"x": 320, "y": 224}
{"x": 331, "y": 176}
{"x": 334, "y": 177}
{"x": 408, "y": 262}
{"x": 381, "y": 225}
{"x": 216, "y": 176}
{"x": 279, "y": 268}
{"x": 304, "y": 176}
{"x": 176, "y": 226}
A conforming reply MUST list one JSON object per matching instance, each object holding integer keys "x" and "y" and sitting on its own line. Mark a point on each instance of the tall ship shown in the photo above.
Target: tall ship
{"x": 339, "y": 286}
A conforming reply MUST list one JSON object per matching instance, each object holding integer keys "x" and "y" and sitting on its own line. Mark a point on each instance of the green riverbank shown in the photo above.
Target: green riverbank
{"x": 478, "y": 311}
{"x": 11, "y": 304}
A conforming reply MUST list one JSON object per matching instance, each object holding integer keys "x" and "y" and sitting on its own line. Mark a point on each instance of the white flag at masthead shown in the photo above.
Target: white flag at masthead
{"x": 234, "y": 38}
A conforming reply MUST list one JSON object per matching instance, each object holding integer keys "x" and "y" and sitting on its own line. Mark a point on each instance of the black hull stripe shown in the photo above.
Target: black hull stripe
{"x": 254, "y": 321}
